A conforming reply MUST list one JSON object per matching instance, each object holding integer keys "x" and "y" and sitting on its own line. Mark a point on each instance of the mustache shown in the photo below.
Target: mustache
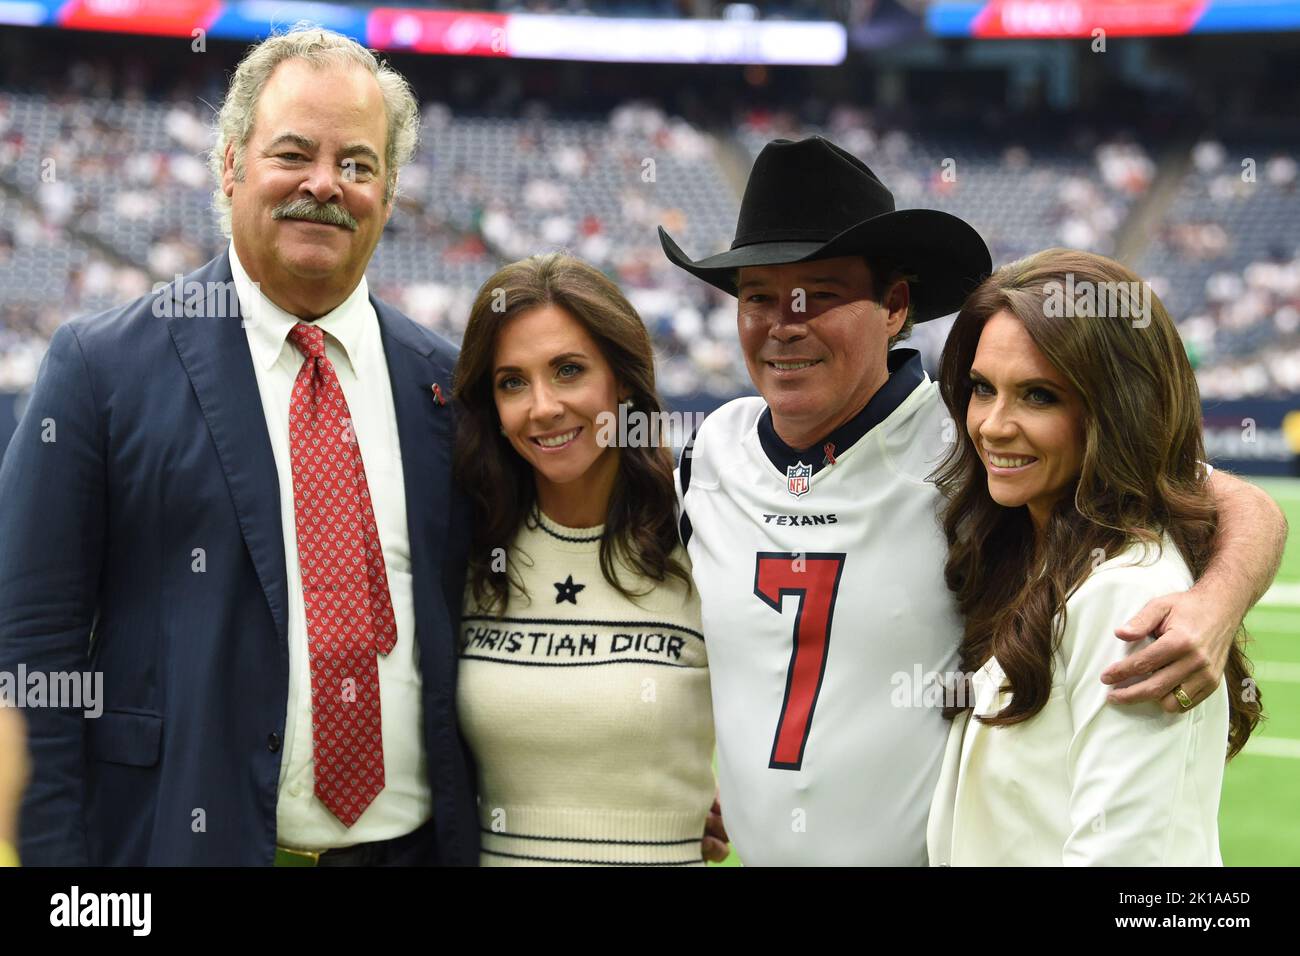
{"x": 312, "y": 211}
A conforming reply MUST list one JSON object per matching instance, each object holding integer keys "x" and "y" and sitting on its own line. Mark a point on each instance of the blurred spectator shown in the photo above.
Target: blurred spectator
{"x": 129, "y": 206}
{"x": 1262, "y": 303}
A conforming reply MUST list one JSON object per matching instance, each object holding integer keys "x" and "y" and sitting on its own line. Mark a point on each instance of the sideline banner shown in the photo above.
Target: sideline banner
{"x": 1257, "y": 436}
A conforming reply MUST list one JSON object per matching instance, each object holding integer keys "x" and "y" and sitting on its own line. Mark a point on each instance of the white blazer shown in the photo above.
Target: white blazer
{"x": 1085, "y": 782}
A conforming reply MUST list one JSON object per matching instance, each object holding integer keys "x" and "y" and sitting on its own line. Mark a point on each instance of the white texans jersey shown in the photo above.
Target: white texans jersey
{"x": 826, "y": 620}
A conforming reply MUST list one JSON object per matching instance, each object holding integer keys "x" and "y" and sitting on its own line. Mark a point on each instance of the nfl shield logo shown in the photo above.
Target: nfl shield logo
{"x": 798, "y": 478}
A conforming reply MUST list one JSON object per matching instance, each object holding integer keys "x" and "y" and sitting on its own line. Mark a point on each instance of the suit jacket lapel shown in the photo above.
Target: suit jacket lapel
{"x": 986, "y": 688}
{"x": 213, "y": 348}
{"x": 424, "y": 434}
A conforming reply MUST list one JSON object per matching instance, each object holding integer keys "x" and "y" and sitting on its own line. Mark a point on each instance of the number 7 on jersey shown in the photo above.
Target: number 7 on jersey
{"x": 815, "y": 578}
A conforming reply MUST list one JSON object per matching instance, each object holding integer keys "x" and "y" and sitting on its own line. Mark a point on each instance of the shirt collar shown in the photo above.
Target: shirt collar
{"x": 269, "y": 325}
{"x": 905, "y": 373}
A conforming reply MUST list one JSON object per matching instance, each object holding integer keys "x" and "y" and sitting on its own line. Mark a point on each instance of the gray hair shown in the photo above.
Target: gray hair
{"x": 320, "y": 48}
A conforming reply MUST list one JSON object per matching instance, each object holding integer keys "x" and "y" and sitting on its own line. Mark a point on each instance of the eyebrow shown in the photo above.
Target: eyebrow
{"x": 554, "y": 363}
{"x": 308, "y": 144}
{"x": 1025, "y": 383}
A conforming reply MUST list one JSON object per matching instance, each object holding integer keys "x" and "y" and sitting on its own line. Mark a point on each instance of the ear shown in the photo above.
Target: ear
{"x": 228, "y": 171}
{"x": 392, "y": 201}
{"x": 897, "y": 300}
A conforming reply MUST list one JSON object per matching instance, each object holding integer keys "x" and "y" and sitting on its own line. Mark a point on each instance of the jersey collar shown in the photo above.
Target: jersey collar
{"x": 905, "y": 373}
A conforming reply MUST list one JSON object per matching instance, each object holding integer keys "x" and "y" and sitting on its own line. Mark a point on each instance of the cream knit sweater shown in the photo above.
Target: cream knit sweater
{"x": 588, "y": 714}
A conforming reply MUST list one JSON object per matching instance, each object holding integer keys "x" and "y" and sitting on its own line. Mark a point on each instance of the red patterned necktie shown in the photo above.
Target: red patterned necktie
{"x": 344, "y": 585}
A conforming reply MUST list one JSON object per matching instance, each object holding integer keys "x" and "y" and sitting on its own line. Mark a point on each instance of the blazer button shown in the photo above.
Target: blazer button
{"x": 273, "y": 742}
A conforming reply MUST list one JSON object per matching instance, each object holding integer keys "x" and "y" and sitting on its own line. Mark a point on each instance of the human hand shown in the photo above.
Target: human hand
{"x": 715, "y": 843}
{"x": 1195, "y": 635}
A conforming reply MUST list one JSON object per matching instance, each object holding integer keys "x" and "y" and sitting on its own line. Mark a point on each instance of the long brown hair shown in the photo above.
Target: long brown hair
{"x": 1140, "y": 475}
{"x": 640, "y": 524}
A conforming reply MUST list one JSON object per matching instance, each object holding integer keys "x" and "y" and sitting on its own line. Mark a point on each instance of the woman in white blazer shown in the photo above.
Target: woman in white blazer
{"x": 1075, "y": 493}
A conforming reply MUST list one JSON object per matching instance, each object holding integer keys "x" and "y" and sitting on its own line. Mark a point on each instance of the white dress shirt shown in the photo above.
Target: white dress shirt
{"x": 1085, "y": 782}
{"x": 354, "y": 346}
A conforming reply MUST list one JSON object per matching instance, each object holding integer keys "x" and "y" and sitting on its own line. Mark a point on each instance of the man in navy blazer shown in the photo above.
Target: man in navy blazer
{"x": 141, "y": 524}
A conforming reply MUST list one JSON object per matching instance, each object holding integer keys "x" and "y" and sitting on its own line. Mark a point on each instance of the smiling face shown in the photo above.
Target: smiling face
{"x": 550, "y": 382}
{"x": 1025, "y": 420}
{"x": 310, "y": 209}
{"x": 816, "y": 341}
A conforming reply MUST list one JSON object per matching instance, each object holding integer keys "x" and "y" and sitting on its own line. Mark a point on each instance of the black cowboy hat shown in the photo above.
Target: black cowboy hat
{"x": 811, "y": 200}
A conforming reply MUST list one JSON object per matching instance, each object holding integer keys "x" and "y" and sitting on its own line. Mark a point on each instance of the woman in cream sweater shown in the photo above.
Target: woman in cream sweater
{"x": 583, "y": 685}
{"x": 1075, "y": 493}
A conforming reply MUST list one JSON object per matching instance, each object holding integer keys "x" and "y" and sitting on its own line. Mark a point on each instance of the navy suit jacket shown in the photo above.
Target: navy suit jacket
{"x": 143, "y": 441}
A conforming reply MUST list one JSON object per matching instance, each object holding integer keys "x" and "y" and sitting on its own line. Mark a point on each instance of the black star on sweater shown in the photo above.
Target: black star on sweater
{"x": 568, "y": 591}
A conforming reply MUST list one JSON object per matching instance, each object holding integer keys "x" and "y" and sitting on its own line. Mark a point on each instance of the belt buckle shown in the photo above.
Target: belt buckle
{"x": 287, "y": 856}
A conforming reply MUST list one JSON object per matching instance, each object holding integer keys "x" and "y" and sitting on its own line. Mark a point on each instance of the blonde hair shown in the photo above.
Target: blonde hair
{"x": 320, "y": 48}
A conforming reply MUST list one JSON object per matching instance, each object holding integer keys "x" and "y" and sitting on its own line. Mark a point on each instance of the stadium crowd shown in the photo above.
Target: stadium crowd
{"x": 105, "y": 191}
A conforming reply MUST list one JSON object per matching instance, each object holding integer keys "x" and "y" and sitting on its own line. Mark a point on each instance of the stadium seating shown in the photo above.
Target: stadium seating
{"x": 1226, "y": 262}
{"x": 100, "y": 197}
